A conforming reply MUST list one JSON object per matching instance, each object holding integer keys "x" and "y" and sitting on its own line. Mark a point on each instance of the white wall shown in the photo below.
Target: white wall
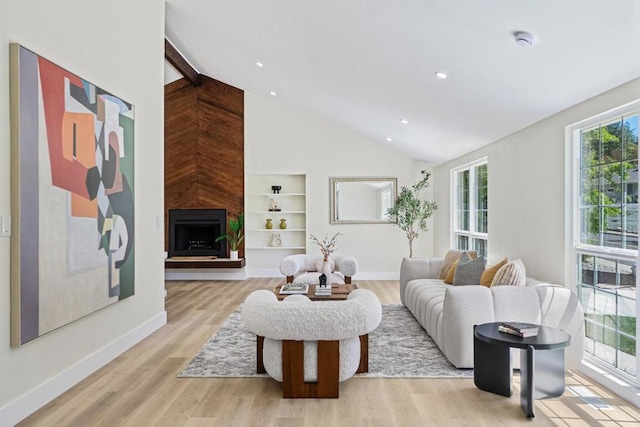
{"x": 117, "y": 45}
{"x": 527, "y": 189}
{"x": 281, "y": 140}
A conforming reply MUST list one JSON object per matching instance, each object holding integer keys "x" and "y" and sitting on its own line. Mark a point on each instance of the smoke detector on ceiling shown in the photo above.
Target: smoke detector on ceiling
{"x": 524, "y": 39}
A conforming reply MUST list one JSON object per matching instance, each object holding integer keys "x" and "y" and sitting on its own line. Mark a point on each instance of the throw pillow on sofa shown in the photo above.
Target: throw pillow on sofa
{"x": 452, "y": 271}
{"x": 469, "y": 270}
{"x": 449, "y": 279}
{"x": 512, "y": 273}
{"x": 451, "y": 256}
{"x": 490, "y": 273}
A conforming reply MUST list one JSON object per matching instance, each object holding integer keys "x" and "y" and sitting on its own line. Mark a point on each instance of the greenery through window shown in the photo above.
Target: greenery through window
{"x": 609, "y": 177}
{"x": 606, "y": 237}
{"x": 471, "y": 207}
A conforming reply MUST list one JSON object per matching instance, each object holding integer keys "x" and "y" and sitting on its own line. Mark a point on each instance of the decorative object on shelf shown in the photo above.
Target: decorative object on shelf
{"x": 276, "y": 240}
{"x": 410, "y": 213}
{"x": 275, "y": 206}
{"x": 235, "y": 235}
{"x": 283, "y": 223}
{"x": 276, "y": 189}
{"x": 269, "y": 224}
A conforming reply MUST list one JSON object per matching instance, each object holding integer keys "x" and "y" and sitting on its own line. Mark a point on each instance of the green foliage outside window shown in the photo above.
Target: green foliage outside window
{"x": 609, "y": 155}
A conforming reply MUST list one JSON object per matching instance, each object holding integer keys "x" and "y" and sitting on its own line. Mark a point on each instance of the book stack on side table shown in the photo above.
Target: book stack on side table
{"x": 519, "y": 329}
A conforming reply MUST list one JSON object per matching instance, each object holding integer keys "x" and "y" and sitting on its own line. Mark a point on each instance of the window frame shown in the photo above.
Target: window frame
{"x": 472, "y": 233}
{"x": 576, "y": 248}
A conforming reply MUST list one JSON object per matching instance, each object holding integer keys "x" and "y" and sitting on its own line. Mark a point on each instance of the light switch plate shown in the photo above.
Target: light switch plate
{"x": 5, "y": 226}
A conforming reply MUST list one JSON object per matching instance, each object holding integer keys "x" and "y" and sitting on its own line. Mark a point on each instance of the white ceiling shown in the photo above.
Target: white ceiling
{"x": 367, "y": 64}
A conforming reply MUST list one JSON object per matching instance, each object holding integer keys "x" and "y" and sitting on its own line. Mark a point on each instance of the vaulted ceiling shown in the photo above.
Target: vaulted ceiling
{"x": 368, "y": 64}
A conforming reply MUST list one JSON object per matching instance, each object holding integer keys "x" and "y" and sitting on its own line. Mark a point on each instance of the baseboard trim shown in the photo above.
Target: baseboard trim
{"x": 23, "y": 406}
{"x": 257, "y": 272}
{"x": 362, "y": 275}
{"x": 205, "y": 274}
{"x": 376, "y": 275}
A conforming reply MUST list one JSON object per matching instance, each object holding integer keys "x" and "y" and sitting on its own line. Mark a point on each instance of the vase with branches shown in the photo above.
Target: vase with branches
{"x": 327, "y": 247}
{"x": 410, "y": 212}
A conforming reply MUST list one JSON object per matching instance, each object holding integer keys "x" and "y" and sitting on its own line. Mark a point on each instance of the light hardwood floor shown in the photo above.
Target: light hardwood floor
{"x": 141, "y": 387}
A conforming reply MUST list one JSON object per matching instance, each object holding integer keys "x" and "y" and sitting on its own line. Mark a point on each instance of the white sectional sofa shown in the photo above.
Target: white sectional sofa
{"x": 448, "y": 313}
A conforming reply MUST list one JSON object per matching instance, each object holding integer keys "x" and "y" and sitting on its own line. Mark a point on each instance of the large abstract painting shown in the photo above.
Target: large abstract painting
{"x": 72, "y": 244}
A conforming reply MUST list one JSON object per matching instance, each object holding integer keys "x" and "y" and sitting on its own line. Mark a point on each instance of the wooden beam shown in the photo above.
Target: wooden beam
{"x": 180, "y": 63}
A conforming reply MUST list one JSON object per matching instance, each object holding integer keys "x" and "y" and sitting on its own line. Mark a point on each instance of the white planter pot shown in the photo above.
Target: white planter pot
{"x": 233, "y": 255}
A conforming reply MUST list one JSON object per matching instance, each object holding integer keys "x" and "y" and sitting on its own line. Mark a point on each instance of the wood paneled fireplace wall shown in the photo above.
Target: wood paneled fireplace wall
{"x": 203, "y": 147}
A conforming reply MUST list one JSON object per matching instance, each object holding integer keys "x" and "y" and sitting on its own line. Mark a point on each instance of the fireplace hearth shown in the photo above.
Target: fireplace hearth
{"x": 192, "y": 232}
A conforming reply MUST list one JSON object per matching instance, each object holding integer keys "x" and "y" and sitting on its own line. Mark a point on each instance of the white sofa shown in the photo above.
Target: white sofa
{"x": 306, "y": 323}
{"x": 448, "y": 313}
{"x": 304, "y": 268}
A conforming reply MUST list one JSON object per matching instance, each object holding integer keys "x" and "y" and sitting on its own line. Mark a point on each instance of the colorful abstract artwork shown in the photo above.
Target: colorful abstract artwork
{"x": 72, "y": 244}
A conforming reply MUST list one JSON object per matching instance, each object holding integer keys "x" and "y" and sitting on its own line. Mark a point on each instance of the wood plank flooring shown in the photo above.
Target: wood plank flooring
{"x": 141, "y": 387}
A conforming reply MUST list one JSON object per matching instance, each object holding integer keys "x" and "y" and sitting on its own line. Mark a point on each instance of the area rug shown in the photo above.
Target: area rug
{"x": 398, "y": 348}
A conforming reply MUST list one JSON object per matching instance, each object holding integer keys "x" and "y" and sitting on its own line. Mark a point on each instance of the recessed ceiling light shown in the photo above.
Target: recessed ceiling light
{"x": 524, "y": 39}
{"x": 259, "y": 64}
{"x": 441, "y": 75}
{"x": 389, "y": 139}
{"x": 404, "y": 121}
{"x": 272, "y": 93}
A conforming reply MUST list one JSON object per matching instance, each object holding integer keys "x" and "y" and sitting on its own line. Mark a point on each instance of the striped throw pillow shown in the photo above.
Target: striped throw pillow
{"x": 512, "y": 273}
{"x": 490, "y": 273}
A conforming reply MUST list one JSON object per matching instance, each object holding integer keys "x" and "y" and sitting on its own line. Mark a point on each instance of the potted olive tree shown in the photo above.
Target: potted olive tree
{"x": 410, "y": 213}
{"x": 235, "y": 235}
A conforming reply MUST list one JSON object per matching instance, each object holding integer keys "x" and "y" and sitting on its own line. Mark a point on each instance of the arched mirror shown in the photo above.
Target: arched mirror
{"x": 362, "y": 200}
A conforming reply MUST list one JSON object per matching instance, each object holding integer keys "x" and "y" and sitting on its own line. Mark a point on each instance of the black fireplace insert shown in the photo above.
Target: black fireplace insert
{"x": 192, "y": 232}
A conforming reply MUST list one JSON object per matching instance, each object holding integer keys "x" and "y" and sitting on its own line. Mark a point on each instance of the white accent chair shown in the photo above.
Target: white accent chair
{"x": 311, "y": 346}
{"x": 304, "y": 268}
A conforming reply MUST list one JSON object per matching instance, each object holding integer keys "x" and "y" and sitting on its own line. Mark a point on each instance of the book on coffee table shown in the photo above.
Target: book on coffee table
{"x": 294, "y": 288}
{"x": 323, "y": 291}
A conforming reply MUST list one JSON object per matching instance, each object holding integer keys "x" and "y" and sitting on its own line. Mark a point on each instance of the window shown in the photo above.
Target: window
{"x": 386, "y": 201}
{"x": 470, "y": 207}
{"x": 605, "y": 236}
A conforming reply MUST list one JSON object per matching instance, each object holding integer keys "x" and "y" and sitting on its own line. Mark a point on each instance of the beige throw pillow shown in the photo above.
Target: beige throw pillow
{"x": 449, "y": 279}
{"x": 452, "y": 256}
{"x": 512, "y": 273}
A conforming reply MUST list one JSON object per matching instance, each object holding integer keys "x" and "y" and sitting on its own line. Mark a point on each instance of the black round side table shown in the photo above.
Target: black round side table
{"x": 542, "y": 369}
